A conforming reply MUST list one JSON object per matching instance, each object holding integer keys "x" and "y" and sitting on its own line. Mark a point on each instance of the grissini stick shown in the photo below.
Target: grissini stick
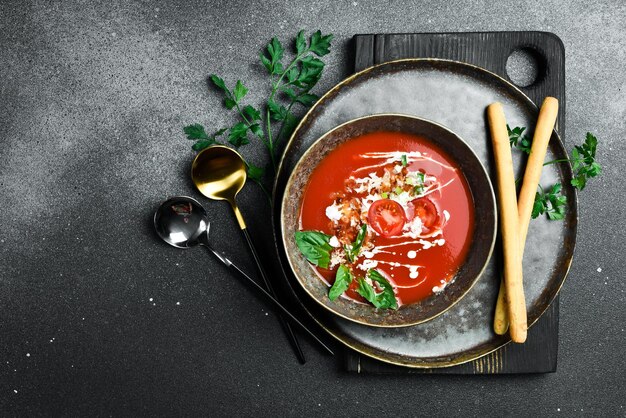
{"x": 509, "y": 225}
{"x": 534, "y": 166}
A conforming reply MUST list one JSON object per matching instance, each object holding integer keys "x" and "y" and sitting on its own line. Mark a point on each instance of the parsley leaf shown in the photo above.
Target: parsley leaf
{"x": 518, "y": 139}
{"x": 277, "y": 112}
{"x": 315, "y": 247}
{"x": 300, "y": 42}
{"x": 353, "y": 250}
{"x": 275, "y": 51}
{"x": 343, "y": 278}
{"x": 320, "y": 44}
{"x": 584, "y": 162}
{"x": 306, "y": 99}
{"x": 553, "y": 203}
{"x": 240, "y": 91}
{"x": 255, "y": 173}
{"x": 310, "y": 72}
{"x": 252, "y": 113}
{"x": 238, "y": 134}
{"x": 384, "y": 300}
{"x": 197, "y": 133}
{"x": 219, "y": 83}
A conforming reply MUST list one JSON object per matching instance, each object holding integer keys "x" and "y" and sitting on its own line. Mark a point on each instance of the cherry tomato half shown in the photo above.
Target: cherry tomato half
{"x": 426, "y": 210}
{"x": 386, "y": 217}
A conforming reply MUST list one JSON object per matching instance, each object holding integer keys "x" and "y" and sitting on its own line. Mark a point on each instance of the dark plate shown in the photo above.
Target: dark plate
{"x": 456, "y": 95}
{"x": 483, "y": 237}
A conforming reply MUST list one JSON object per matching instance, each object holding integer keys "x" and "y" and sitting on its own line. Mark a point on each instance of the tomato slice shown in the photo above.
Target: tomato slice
{"x": 386, "y": 217}
{"x": 426, "y": 210}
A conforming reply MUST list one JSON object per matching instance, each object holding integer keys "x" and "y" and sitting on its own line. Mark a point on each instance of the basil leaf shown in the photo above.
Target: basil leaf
{"x": 353, "y": 251}
{"x": 343, "y": 278}
{"x": 384, "y": 300}
{"x": 315, "y": 247}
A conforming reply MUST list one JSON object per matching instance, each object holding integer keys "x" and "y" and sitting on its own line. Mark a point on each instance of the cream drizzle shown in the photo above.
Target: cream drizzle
{"x": 394, "y": 157}
{"x": 412, "y": 285}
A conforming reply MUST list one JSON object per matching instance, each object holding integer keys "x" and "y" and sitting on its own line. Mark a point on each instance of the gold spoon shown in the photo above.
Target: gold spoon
{"x": 219, "y": 173}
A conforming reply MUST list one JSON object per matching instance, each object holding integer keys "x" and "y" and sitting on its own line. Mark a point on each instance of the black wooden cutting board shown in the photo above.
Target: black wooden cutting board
{"x": 489, "y": 50}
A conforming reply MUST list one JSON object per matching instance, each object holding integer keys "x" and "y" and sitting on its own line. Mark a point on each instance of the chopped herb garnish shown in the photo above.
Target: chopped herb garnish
{"x": 343, "y": 278}
{"x": 419, "y": 187}
{"x": 404, "y": 160}
{"x": 384, "y": 195}
{"x": 384, "y": 300}
{"x": 315, "y": 247}
{"x": 398, "y": 190}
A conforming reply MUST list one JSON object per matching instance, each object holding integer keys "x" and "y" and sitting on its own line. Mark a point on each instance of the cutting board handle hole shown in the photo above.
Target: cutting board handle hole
{"x": 525, "y": 66}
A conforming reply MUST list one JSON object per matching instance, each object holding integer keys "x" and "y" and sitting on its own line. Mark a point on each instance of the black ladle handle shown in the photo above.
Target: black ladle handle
{"x": 286, "y": 327}
{"x": 269, "y": 297}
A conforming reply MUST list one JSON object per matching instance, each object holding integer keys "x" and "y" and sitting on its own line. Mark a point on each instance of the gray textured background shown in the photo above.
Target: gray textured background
{"x": 92, "y": 102}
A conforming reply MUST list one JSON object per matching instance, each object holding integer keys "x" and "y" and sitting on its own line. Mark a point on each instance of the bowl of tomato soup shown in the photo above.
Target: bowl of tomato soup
{"x": 388, "y": 220}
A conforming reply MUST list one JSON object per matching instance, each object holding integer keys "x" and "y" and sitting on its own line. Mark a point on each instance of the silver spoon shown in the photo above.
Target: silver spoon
{"x": 183, "y": 223}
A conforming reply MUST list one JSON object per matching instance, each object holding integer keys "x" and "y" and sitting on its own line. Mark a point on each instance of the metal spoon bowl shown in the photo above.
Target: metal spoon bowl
{"x": 219, "y": 173}
{"x": 182, "y": 222}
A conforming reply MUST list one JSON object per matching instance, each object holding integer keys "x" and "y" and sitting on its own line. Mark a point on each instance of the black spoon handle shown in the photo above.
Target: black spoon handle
{"x": 276, "y": 303}
{"x": 286, "y": 327}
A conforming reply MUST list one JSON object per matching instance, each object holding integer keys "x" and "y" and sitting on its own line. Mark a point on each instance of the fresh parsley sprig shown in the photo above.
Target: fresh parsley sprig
{"x": 550, "y": 202}
{"x": 583, "y": 161}
{"x": 291, "y": 84}
{"x": 295, "y": 81}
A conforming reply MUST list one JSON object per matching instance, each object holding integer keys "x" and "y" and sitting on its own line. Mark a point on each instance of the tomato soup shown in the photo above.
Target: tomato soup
{"x": 388, "y": 203}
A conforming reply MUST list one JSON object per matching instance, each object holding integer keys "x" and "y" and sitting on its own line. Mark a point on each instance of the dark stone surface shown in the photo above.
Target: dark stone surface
{"x": 93, "y": 98}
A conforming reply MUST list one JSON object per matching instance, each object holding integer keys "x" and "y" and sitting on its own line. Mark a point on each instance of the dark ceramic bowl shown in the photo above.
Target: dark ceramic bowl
{"x": 481, "y": 246}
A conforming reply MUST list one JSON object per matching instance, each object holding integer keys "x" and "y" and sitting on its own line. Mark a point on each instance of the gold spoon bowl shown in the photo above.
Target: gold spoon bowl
{"x": 219, "y": 173}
